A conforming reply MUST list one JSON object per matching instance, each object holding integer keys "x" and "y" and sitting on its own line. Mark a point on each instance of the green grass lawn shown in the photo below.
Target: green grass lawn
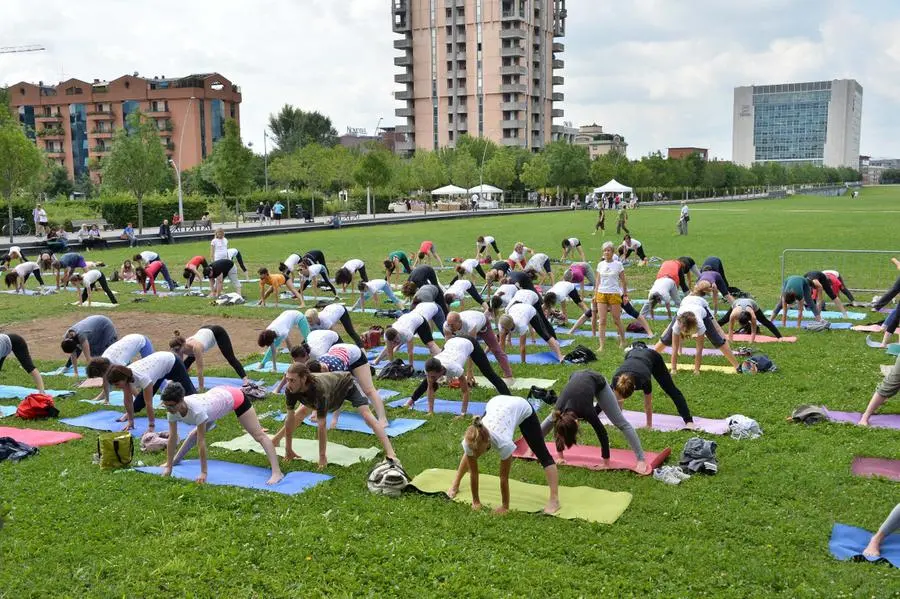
{"x": 760, "y": 527}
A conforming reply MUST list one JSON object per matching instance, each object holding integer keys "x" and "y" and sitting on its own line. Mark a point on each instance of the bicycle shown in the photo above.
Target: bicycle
{"x": 20, "y": 227}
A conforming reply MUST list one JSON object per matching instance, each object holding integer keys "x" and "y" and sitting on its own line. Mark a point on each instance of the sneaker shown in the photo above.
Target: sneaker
{"x": 666, "y": 476}
{"x": 679, "y": 473}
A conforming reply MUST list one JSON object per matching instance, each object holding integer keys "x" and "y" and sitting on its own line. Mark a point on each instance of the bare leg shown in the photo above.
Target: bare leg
{"x": 366, "y": 413}
{"x": 552, "y": 474}
{"x": 874, "y": 404}
{"x": 364, "y": 377}
{"x": 250, "y": 422}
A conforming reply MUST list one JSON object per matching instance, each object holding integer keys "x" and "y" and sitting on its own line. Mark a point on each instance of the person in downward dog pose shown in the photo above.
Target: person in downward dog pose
{"x": 313, "y": 272}
{"x": 503, "y": 414}
{"x": 371, "y": 289}
{"x": 466, "y": 267}
{"x": 482, "y": 243}
{"x": 517, "y": 257}
{"x": 580, "y": 272}
{"x": 631, "y": 246}
{"x": 572, "y": 244}
{"x": 663, "y": 291}
{"x": 539, "y": 264}
{"x": 560, "y": 293}
{"x": 207, "y": 337}
{"x": 203, "y": 409}
{"x": 477, "y": 324}
{"x": 194, "y": 270}
{"x": 827, "y": 285}
{"x": 270, "y": 284}
{"x": 797, "y": 289}
{"x": 20, "y": 273}
{"x": 88, "y": 337}
{"x": 635, "y": 372}
{"x": 746, "y": 312}
{"x": 13, "y": 253}
{"x": 88, "y": 282}
{"x": 216, "y": 273}
{"x": 886, "y": 389}
{"x": 455, "y": 361}
{"x": 395, "y": 259}
{"x": 344, "y": 275}
{"x": 405, "y": 329}
{"x": 718, "y": 286}
{"x": 432, "y": 294}
{"x": 427, "y": 250}
{"x": 120, "y": 353}
{"x": 290, "y": 265}
{"x": 10, "y": 343}
{"x": 584, "y": 397}
{"x": 329, "y": 317}
{"x": 496, "y": 273}
{"x": 140, "y": 381}
{"x": 714, "y": 263}
{"x": 279, "y": 331}
{"x": 515, "y": 323}
{"x": 146, "y": 276}
{"x": 458, "y": 290}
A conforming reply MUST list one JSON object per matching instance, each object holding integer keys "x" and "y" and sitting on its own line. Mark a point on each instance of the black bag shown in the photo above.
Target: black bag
{"x": 388, "y": 313}
{"x": 580, "y": 355}
{"x": 396, "y": 370}
{"x": 254, "y": 391}
{"x": 548, "y": 396}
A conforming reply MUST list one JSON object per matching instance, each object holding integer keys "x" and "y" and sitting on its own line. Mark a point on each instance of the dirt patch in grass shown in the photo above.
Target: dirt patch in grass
{"x": 43, "y": 336}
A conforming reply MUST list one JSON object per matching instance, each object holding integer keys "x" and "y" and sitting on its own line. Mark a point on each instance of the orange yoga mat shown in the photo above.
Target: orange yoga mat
{"x": 588, "y": 456}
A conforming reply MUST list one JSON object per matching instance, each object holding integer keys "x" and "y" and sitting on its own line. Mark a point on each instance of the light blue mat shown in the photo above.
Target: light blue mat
{"x": 230, "y": 474}
{"x": 106, "y": 420}
{"x": 16, "y": 392}
{"x": 848, "y": 542}
{"x": 827, "y": 314}
{"x": 352, "y": 421}
{"x": 7, "y": 411}
{"x": 256, "y": 367}
{"x": 442, "y": 406}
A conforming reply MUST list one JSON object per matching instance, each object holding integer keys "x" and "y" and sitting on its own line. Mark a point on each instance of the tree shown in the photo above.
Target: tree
{"x": 463, "y": 170}
{"x": 288, "y": 170}
{"x": 293, "y": 128}
{"x": 373, "y": 170}
{"x": 57, "y": 182}
{"x": 20, "y": 163}
{"x": 231, "y": 165}
{"x": 479, "y": 148}
{"x": 428, "y": 171}
{"x": 500, "y": 170}
{"x": 343, "y": 162}
{"x": 536, "y": 173}
{"x": 137, "y": 162}
{"x": 5, "y": 108}
{"x": 890, "y": 176}
{"x": 570, "y": 165}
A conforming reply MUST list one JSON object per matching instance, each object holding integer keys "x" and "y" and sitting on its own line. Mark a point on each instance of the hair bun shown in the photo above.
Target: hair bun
{"x": 476, "y": 421}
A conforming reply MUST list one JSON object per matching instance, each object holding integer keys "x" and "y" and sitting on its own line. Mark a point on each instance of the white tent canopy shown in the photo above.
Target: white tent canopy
{"x": 449, "y": 190}
{"x": 484, "y": 188}
{"x": 613, "y": 187}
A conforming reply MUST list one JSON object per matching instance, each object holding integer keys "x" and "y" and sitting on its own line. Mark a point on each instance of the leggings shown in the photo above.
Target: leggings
{"x": 165, "y": 273}
{"x": 620, "y": 226}
{"x": 362, "y": 273}
{"x": 348, "y": 326}
{"x": 37, "y": 275}
{"x": 315, "y": 256}
{"x": 240, "y": 260}
{"x": 368, "y": 295}
{"x": 845, "y": 290}
{"x": 480, "y": 359}
{"x": 493, "y": 245}
{"x": 807, "y": 302}
{"x": 664, "y": 379}
{"x": 893, "y": 319}
{"x": 178, "y": 374}
{"x": 885, "y": 299}
{"x": 424, "y": 332}
{"x": 531, "y": 431}
{"x": 326, "y": 283}
{"x": 20, "y": 351}
{"x": 404, "y": 261}
{"x": 7, "y": 259}
{"x": 892, "y": 522}
{"x": 224, "y": 343}
{"x": 477, "y": 269}
{"x": 638, "y": 250}
{"x": 102, "y": 282}
{"x": 545, "y": 331}
{"x": 760, "y": 317}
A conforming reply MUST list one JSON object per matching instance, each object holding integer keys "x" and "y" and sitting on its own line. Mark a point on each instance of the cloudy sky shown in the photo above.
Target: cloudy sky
{"x": 658, "y": 72}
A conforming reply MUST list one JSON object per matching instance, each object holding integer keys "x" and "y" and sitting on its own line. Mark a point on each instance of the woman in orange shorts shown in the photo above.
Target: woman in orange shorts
{"x": 609, "y": 289}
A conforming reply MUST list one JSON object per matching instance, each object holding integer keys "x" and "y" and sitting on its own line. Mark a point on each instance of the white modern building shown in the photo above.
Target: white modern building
{"x": 798, "y": 123}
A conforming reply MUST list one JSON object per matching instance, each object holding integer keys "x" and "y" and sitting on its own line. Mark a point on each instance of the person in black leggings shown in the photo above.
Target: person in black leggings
{"x": 822, "y": 287}
{"x": 525, "y": 280}
{"x": 192, "y": 349}
{"x": 10, "y": 343}
{"x": 885, "y": 299}
{"x": 689, "y": 269}
{"x": 640, "y": 363}
{"x": 497, "y": 272}
{"x": 420, "y": 275}
{"x": 430, "y": 293}
{"x": 451, "y": 362}
{"x": 315, "y": 257}
{"x": 310, "y": 270}
{"x": 746, "y": 312}
{"x": 715, "y": 264}
{"x": 140, "y": 380}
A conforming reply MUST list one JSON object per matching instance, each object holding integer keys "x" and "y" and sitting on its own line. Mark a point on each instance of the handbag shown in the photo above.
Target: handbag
{"x": 116, "y": 450}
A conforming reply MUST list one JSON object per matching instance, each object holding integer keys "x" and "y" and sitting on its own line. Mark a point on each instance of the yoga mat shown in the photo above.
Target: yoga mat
{"x": 105, "y": 420}
{"x": 583, "y": 503}
{"x": 349, "y": 421}
{"x": 835, "y": 326}
{"x": 255, "y": 367}
{"x": 520, "y": 384}
{"x": 867, "y": 328}
{"x": 872, "y": 343}
{"x": 95, "y": 305}
{"x": 848, "y": 542}
{"x": 223, "y": 381}
{"x": 668, "y": 423}
{"x": 161, "y": 293}
{"x": 893, "y": 349}
{"x": 889, "y": 469}
{"x": 94, "y": 383}
{"x": 610, "y": 334}
{"x": 16, "y": 392}
{"x": 6, "y": 411}
{"x": 689, "y": 368}
{"x": 692, "y": 351}
{"x": 442, "y": 406}
{"x": 514, "y": 358}
{"x": 763, "y": 338}
{"x": 37, "y": 437}
{"x": 588, "y": 456}
{"x": 28, "y": 292}
{"x": 307, "y": 449}
{"x": 230, "y": 474}
{"x": 829, "y": 315}
{"x": 63, "y": 371}
{"x": 876, "y": 421}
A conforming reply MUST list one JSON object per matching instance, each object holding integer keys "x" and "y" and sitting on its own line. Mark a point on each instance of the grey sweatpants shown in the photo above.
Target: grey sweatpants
{"x": 609, "y": 406}
{"x": 892, "y": 522}
{"x": 891, "y": 383}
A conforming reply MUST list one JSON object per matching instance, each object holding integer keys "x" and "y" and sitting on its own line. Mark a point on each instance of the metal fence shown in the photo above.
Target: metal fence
{"x": 862, "y": 270}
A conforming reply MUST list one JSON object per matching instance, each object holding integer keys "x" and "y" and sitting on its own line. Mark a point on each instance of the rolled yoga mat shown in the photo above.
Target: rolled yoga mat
{"x": 876, "y": 421}
{"x": 241, "y": 475}
{"x": 584, "y": 503}
{"x": 883, "y": 467}
{"x": 848, "y": 542}
{"x": 669, "y": 423}
{"x": 589, "y": 456}
{"x": 442, "y": 406}
{"x": 307, "y": 449}
{"x": 37, "y": 437}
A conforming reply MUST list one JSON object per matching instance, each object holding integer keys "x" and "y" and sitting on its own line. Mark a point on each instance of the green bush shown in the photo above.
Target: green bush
{"x": 59, "y": 213}
{"x": 121, "y": 208}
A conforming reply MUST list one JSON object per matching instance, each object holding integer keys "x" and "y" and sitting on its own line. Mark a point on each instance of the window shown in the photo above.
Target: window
{"x": 218, "y": 119}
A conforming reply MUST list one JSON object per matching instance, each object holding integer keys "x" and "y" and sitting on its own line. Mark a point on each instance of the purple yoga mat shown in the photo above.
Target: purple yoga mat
{"x": 692, "y": 351}
{"x": 889, "y": 469}
{"x": 668, "y": 423}
{"x": 876, "y": 421}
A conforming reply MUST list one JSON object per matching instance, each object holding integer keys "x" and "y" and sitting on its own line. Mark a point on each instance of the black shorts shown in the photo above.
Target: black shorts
{"x": 362, "y": 361}
{"x": 356, "y": 397}
{"x": 244, "y": 407}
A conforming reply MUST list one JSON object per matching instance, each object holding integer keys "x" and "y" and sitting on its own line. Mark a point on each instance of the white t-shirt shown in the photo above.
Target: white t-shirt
{"x": 330, "y": 315}
{"x": 502, "y": 415}
{"x": 469, "y": 265}
{"x": 521, "y": 315}
{"x": 123, "y": 351}
{"x": 220, "y": 248}
{"x": 473, "y": 321}
{"x": 292, "y": 261}
{"x": 518, "y": 256}
{"x": 316, "y": 270}
{"x": 506, "y": 292}
{"x": 206, "y": 407}
{"x": 537, "y": 261}
{"x": 148, "y": 256}
{"x": 574, "y": 242}
{"x": 427, "y": 309}
{"x": 206, "y": 338}
{"x": 666, "y": 288}
{"x": 488, "y": 240}
{"x": 26, "y": 268}
{"x": 320, "y": 342}
{"x": 285, "y": 321}
{"x": 232, "y": 252}
{"x": 354, "y": 265}
{"x": 459, "y": 288}
{"x": 154, "y": 367}
{"x": 635, "y": 244}
{"x": 91, "y": 277}
{"x": 526, "y": 296}
{"x": 562, "y": 290}
{"x": 699, "y": 307}
{"x": 684, "y": 211}
{"x": 407, "y": 324}
{"x": 454, "y": 355}
{"x": 376, "y": 285}
{"x": 608, "y": 277}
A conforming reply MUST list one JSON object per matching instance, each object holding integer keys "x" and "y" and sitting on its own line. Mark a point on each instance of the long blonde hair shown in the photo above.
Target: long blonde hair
{"x": 688, "y": 323}
{"x": 477, "y": 437}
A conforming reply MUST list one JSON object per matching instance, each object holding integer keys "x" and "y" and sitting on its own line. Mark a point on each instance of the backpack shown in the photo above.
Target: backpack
{"x": 548, "y": 396}
{"x": 322, "y": 304}
{"x": 372, "y": 337}
{"x": 817, "y": 326}
{"x": 388, "y": 313}
{"x": 809, "y": 414}
{"x": 37, "y": 405}
{"x": 388, "y": 478}
{"x": 758, "y": 363}
{"x": 115, "y": 450}
{"x": 396, "y": 370}
{"x": 634, "y": 327}
{"x": 580, "y": 355}
{"x": 254, "y": 391}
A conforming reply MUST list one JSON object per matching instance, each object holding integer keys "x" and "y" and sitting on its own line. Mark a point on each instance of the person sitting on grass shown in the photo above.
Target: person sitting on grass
{"x": 203, "y": 409}
{"x": 502, "y": 414}
{"x": 886, "y": 389}
{"x": 126, "y": 273}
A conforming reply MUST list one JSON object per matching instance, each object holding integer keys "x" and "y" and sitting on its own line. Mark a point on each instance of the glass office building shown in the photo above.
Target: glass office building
{"x": 798, "y": 123}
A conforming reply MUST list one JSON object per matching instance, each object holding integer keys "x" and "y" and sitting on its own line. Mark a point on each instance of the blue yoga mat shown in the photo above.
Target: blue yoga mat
{"x": 613, "y": 334}
{"x": 792, "y": 324}
{"x": 848, "y": 542}
{"x": 16, "y": 392}
{"x": 6, "y": 411}
{"x": 255, "y": 367}
{"x": 352, "y": 421}
{"x": 229, "y": 474}
{"x": 105, "y": 420}
{"x": 893, "y": 349}
{"x": 63, "y": 371}
{"x": 223, "y": 381}
{"x": 829, "y": 314}
{"x": 872, "y": 343}
{"x": 442, "y": 406}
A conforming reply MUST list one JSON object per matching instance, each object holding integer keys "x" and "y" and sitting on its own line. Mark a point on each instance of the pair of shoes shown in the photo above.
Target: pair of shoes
{"x": 671, "y": 475}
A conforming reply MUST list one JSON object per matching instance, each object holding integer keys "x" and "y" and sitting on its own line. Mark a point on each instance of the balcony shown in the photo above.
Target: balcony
{"x": 55, "y": 151}
{"x": 404, "y": 113}
{"x": 460, "y": 55}
{"x": 405, "y": 129}
{"x": 405, "y": 145}
{"x": 48, "y": 118}
{"x": 403, "y": 61}
{"x": 101, "y": 115}
{"x": 406, "y": 94}
{"x": 101, "y": 149}
{"x": 158, "y": 113}
{"x": 513, "y": 15}
{"x": 512, "y": 33}
{"x": 557, "y": 113}
{"x": 165, "y": 127}
{"x": 558, "y": 63}
{"x": 558, "y": 80}
{"x": 404, "y": 44}
{"x": 406, "y": 77}
{"x": 401, "y": 25}
{"x": 512, "y": 51}
{"x": 559, "y": 47}
{"x": 51, "y": 133}
{"x": 513, "y": 88}
{"x": 459, "y": 109}
{"x": 512, "y": 142}
{"x": 400, "y": 6}
{"x": 512, "y": 124}
{"x": 170, "y": 146}
{"x": 102, "y": 133}
{"x": 558, "y": 96}
{"x": 505, "y": 106}
{"x": 514, "y": 69}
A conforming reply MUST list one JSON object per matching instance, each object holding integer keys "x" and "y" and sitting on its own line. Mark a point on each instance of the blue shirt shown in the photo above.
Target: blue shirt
{"x": 278, "y": 208}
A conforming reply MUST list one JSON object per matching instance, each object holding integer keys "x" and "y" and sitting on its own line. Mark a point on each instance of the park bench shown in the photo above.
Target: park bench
{"x": 100, "y": 222}
{"x": 250, "y": 217}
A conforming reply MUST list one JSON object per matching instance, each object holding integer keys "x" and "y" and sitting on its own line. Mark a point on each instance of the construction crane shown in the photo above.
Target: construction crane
{"x": 17, "y": 49}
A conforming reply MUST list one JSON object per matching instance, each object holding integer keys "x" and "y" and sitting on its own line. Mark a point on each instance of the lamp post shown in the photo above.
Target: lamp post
{"x": 266, "y": 161}
{"x": 369, "y": 209}
{"x": 180, "y": 196}
{"x": 187, "y": 113}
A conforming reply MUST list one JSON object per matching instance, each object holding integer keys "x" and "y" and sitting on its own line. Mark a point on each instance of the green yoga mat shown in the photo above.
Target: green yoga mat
{"x": 521, "y": 384}
{"x": 307, "y": 449}
{"x": 583, "y": 503}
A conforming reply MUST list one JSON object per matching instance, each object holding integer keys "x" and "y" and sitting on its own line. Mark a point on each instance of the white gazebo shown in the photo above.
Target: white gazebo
{"x": 484, "y": 193}
{"x": 484, "y": 188}
{"x": 613, "y": 187}
{"x": 449, "y": 190}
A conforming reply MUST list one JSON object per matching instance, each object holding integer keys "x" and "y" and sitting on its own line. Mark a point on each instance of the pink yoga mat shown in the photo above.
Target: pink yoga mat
{"x": 669, "y": 423}
{"x": 876, "y": 421}
{"x": 889, "y": 469}
{"x": 764, "y": 338}
{"x": 692, "y": 351}
{"x": 37, "y": 437}
{"x": 867, "y": 328}
{"x": 588, "y": 456}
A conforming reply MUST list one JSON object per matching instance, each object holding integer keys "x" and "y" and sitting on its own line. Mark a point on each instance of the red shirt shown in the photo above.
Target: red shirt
{"x": 196, "y": 261}
{"x": 670, "y": 269}
{"x": 426, "y": 247}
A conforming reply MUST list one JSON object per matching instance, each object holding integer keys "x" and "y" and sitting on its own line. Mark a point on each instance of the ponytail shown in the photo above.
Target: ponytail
{"x": 565, "y": 429}
{"x": 178, "y": 341}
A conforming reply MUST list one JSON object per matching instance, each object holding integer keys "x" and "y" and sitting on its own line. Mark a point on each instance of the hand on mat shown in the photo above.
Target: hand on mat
{"x": 129, "y": 426}
{"x": 460, "y": 416}
{"x": 452, "y": 491}
{"x": 201, "y": 479}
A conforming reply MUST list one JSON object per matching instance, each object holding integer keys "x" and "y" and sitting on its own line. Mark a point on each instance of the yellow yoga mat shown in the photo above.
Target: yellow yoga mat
{"x": 522, "y": 384}
{"x": 583, "y": 503}
{"x": 707, "y": 368}
{"x": 307, "y": 449}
